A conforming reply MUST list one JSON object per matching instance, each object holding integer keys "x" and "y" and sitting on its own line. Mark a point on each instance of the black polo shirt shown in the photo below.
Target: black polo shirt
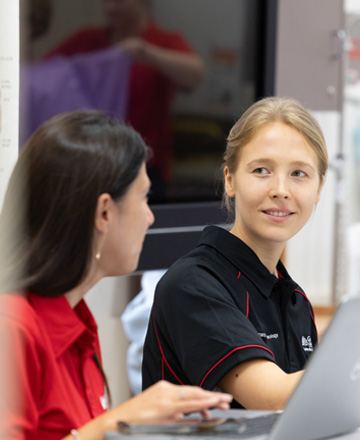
{"x": 219, "y": 306}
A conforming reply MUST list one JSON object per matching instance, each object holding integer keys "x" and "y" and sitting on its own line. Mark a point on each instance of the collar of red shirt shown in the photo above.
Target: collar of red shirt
{"x": 63, "y": 324}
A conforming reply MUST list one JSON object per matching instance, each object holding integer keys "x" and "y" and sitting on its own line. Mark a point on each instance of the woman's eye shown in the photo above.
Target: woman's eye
{"x": 261, "y": 170}
{"x": 299, "y": 173}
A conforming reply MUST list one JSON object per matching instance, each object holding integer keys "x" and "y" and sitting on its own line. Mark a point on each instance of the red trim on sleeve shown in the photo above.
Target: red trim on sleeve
{"x": 229, "y": 354}
{"x": 239, "y": 275}
{"x": 163, "y": 357}
{"x": 312, "y": 316}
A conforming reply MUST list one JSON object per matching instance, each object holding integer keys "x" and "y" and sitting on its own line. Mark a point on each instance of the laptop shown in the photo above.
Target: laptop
{"x": 325, "y": 404}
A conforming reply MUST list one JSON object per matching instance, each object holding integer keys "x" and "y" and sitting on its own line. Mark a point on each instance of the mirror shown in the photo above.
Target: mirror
{"x": 227, "y": 35}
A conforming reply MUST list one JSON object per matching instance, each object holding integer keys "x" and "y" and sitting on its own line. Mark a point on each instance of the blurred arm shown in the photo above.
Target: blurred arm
{"x": 186, "y": 70}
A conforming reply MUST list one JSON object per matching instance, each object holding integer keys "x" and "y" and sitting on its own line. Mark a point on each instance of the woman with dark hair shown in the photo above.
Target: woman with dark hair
{"x": 75, "y": 211}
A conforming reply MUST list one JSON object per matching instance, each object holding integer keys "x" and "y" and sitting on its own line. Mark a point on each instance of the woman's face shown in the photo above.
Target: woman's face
{"x": 276, "y": 186}
{"x": 131, "y": 217}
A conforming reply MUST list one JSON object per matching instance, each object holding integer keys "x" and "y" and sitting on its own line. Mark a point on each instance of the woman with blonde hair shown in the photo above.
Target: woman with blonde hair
{"x": 228, "y": 315}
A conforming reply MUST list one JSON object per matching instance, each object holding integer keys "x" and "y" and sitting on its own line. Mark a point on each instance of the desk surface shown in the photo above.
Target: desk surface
{"x": 231, "y": 413}
{"x": 323, "y": 316}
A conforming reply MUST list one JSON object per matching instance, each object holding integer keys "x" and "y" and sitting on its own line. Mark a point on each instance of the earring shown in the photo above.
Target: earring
{"x": 100, "y": 245}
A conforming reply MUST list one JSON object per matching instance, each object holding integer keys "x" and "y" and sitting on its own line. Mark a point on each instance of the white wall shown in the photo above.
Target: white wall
{"x": 9, "y": 90}
{"x": 107, "y": 300}
{"x": 352, "y": 6}
{"x": 9, "y": 115}
{"x": 309, "y": 255}
{"x": 309, "y": 67}
{"x": 352, "y": 148}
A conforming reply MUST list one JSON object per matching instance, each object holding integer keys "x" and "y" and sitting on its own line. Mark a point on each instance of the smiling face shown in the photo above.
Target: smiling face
{"x": 275, "y": 186}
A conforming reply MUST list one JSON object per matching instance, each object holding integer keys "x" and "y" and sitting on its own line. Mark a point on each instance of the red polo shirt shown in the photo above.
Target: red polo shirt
{"x": 150, "y": 92}
{"x": 49, "y": 378}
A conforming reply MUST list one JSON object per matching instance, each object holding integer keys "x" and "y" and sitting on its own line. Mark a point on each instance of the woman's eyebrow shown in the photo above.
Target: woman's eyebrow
{"x": 302, "y": 164}
{"x": 260, "y": 161}
{"x": 267, "y": 160}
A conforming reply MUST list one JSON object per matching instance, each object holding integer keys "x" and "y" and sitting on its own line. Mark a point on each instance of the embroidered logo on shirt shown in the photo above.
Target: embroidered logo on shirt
{"x": 272, "y": 336}
{"x": 307, "y": 343}
{"x": 104, "y": 402}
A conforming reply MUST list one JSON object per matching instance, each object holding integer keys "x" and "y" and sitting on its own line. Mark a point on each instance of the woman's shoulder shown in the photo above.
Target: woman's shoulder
{"x": 90, "y": 31}
{"x": 16, "y": 312}
{"x": 83, "y": 40}
{"x": 166, "y": 38}
{"x": 13, "y": 302}
{"x": 193, "y": 276}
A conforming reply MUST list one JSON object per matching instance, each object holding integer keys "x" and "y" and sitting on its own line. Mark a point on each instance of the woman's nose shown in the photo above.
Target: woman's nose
{"x": 279, "y": 188}
{"x": 151, "y": 217}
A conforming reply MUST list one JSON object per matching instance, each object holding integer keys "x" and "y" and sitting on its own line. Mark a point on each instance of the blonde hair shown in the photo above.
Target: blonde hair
{"x": 274, "y": 109}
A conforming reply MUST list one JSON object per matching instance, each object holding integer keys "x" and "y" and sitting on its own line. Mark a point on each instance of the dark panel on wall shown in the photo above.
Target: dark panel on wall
{"x": 176, "y": 230}
{"x": 178, "y": 226}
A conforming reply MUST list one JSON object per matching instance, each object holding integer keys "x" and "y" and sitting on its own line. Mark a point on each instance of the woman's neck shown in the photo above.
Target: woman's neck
{"x": 269, "y": 256}
{"x": 269, "y": 253}
{"x": 75, "y": 295}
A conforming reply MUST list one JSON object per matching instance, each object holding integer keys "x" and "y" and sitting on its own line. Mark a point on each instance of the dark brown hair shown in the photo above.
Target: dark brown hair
{"x": 49, "y": 207}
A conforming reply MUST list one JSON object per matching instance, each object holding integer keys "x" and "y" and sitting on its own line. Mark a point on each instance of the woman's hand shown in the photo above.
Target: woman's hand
{"x": 160, "y": 403}
{"x": 165, "y": 402}
{"x": 185, "y": 70}
{"x": 136, "y": 47}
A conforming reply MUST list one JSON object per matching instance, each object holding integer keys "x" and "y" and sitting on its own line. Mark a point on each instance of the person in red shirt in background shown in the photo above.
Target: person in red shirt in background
{"x": 163, "y": 63}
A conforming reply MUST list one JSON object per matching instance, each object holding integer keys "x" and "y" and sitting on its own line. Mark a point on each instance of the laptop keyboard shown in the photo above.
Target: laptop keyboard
{"x": 241, "y": 428}
{"x": 230, "y": 428}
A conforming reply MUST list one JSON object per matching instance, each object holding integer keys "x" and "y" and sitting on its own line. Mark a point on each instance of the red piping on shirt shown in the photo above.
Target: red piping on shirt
{"x": 229, "y": 354}
{"x": 247, "y": 304}
{"x": 163, "y": 357}
{"x": 312, "y": 317}
{"x": 247, "y": 299}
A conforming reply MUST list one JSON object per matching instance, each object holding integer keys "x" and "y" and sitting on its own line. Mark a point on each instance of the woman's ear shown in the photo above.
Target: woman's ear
{"x": 229, "y": 182}
{"x": 102, "y": 212}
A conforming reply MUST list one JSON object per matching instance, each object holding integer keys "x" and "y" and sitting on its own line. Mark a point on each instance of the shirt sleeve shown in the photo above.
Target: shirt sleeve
{"x": 201, "y": 329}
{"x": 20, "y": 382}
{"x": 169, "y": 40}
{"x": 176, "y": 41}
